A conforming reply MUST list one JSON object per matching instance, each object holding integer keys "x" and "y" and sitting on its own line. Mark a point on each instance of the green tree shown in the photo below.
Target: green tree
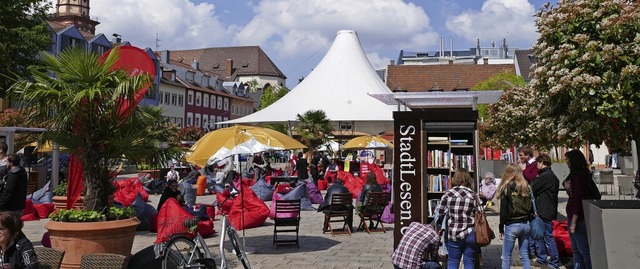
{"x": 23, "y": 34}
{"x": 253, "y": 85}
{"x": 272, "y": 94}
{"x": 313, "y": 128}
{"x": 586, "y": 77}
{"x": 84, "y": 103}
{"x": 499, "y": 82}
{"x": 161, "y": 142}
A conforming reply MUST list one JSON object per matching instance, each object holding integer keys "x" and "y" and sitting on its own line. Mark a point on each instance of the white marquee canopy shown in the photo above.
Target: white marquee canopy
{"x": 340, "y": 86}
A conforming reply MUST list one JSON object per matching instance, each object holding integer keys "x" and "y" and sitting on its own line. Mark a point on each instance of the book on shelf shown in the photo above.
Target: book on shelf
{"x": 459, "y": 142}
{"x": 438, "y": 158}
{"x": 438, "y": 139}
{"x": 438, "y": 183}
{"x": 463, "y": 161}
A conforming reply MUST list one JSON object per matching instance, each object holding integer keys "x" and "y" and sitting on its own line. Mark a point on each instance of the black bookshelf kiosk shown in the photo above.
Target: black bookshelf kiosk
{"x": 429, "y": 145}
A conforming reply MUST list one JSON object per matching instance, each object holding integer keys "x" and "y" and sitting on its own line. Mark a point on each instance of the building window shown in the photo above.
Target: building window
{"x": 219, "y": 119}
{"x": 179, "y": 122}
{"x": 213, "y": 101}
{"x": 197, "y": 121}
{"x": 205, "y": 122}
{"x": 226, "y": 104}
{"x": 180, "y": 100}
{"x": 160, "y": 99}
{"x": 198, "y": 98}
{"x": 189, "y": 76}
{"x": 233, "y": 109}
{"x": 189, "y": 119}
{"x": 167, "y": 98}
{"x": 189, "y": 97}
{"x": 212, "y": 122}
{"x": 174, "y": 97}
{"x": 219, "y": 102}
{"x": 205, "y": 100}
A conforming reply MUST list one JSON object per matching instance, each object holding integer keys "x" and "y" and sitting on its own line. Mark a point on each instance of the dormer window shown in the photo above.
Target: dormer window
{"x": 205, "y": 81}
{"x": 189, "y": 76}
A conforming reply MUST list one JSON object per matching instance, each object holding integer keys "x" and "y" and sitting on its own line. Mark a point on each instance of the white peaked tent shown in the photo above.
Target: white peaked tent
{"x": 340, "y": 86}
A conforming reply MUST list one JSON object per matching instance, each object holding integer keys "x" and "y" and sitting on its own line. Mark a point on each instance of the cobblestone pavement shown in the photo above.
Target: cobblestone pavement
{"x": 317, "y": 249}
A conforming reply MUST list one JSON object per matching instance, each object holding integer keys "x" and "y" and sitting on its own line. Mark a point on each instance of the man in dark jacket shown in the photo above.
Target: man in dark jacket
{"x": 13, "y": 187}
{"x": 336, "y": 187}
{"x": 545, "y": 190}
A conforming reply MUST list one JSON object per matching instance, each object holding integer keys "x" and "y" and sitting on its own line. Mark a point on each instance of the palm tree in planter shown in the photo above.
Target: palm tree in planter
{"x": 314, "y": 127}
{"x": 87, "y": 104}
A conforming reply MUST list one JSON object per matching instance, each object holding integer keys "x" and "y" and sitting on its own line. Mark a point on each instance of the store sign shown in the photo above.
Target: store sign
{"x": 407, "y": 180}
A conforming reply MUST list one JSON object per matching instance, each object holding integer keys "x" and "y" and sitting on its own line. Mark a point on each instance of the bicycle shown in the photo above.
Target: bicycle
{"x": 189, "y": 250}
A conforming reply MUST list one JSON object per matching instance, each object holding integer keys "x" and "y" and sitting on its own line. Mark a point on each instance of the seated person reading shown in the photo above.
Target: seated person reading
{"x": 487, "y": 188}
{"x": 336, "y": 187}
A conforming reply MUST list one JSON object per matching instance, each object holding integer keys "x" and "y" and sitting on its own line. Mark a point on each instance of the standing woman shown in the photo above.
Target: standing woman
{"x": 460, "y": 203}
{"x": 515, "y": 212}
{"x": 301, "y": 167}
{"x": 576, "y": 185}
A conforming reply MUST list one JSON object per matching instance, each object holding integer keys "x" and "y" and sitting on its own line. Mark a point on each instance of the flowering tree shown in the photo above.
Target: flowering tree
{"x": 585, "y": 81}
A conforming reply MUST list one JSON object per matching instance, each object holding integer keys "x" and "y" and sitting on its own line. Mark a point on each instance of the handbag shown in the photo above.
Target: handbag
{"x": 537, "y": 225}
{"x": 484, "y": 234}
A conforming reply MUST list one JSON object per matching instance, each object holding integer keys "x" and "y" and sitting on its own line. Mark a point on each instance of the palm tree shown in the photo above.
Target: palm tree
{"x": 87, "y": 105}
{"x": 314, "y": 127}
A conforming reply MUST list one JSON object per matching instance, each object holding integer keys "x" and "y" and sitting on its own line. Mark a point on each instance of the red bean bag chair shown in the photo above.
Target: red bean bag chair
{"x": 322, "y": 184}
{"x": 171, "y": 220}
{"x": 127, "y": 190}
{"x": 29, "y": 213}
{"x": 43, "y": 210}
{"x": 255, "y": 210}
{"x": 561, "y": 236}
{"x": 380, "y": 175}
{"x": 352, "y": 183}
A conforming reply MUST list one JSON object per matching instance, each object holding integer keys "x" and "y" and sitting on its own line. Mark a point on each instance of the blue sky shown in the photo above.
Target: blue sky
{"x": 296, "y": 34}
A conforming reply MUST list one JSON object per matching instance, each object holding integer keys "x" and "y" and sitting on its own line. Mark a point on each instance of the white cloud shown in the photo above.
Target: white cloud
{"x": 497, "y": 19}
{"x": 180, "y": 24}
{"x": 292, "y": 28}
{"x": 377, "y": 61}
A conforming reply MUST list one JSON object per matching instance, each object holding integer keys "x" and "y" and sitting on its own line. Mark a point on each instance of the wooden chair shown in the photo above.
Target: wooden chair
{"x": 103, "y": 261}
{"x": 49, "y": 258}
{"x": 287, "y": 220}
{"x": 340, "y": 210}
{"x": 372, "y": 210}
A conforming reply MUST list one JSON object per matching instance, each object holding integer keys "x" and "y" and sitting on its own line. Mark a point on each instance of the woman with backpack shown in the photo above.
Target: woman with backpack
{"x": 577, "y": 185}
{"x": 516, "y": 210}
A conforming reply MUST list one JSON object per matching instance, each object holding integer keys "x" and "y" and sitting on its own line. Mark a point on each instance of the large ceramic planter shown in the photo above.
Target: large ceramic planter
{"x": 80, "y": 238}
{"x": 60, "y": 202}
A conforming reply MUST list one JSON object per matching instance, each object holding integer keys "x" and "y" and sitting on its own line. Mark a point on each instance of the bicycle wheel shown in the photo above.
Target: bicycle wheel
{"x": 180, "y": 252}
{"x": 239, "y": 249}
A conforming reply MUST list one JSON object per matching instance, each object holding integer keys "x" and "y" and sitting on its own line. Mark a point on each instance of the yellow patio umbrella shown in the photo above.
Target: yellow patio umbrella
{"x": 367, "y": 142}
{"x": 240, "y": 139}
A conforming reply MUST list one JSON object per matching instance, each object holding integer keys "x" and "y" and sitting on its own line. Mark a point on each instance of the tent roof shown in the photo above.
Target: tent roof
{"x": 340, "y": 86}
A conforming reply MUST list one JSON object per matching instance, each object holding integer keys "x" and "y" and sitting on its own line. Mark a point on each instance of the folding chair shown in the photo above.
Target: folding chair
{"x": 49, "y": 258}
{"x": 371, "y": 212}
{"x": 287, "y": 220}
{"x": 340, "y": 210}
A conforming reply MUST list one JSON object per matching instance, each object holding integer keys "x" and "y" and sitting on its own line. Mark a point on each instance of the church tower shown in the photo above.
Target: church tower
{"x": 75, "y": 12}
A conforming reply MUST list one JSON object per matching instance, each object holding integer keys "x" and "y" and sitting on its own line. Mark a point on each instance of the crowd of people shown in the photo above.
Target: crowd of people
{"x": 529, "y": 183}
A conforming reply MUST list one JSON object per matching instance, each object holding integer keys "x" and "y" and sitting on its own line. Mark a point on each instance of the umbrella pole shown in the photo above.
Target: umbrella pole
{"x": 244, "y": 243}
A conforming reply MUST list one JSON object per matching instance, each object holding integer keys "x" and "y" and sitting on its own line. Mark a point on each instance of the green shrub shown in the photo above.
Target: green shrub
{"x": 79, "y": 215}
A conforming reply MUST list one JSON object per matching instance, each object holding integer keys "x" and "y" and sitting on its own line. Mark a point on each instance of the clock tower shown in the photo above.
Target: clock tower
{"x": 75, "y": 12}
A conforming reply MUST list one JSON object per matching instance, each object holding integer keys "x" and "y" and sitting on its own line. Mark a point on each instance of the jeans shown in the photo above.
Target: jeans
{"x": 462, "y": 248}
{"x": 580, "y": 245}
{"x": 547, "y": 246}
{"x": 512, "y": 232}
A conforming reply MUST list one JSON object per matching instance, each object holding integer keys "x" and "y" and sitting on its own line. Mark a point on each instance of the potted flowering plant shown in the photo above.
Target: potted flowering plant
{"x": 90, "y": 106}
